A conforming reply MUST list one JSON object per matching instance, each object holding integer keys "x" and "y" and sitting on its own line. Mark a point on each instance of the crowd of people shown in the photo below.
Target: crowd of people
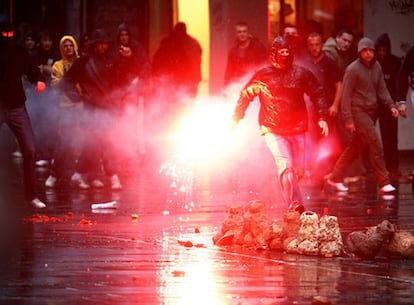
{"x": 86, "y": 92}
{"x": 324, "y": 94}
{"x": 348, "y": 86}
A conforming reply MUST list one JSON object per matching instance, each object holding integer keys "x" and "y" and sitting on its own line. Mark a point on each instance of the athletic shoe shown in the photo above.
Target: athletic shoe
{"x": 339, "y": 186}
{"x": 79, "y": 182}
{"x": 97, "y": 183}
{"x": 17, "y": 154}
{"x": 388, "y": 188}
{"x": 296, "y": 206}
{"x": 41, "y": 163}
{"x": 115, "y": 183}
{"x": 50, "y": 181}
{"x": 37, "y": 204}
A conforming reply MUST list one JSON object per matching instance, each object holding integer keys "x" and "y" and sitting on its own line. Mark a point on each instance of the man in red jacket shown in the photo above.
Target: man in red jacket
{"x": 283, "y": 116}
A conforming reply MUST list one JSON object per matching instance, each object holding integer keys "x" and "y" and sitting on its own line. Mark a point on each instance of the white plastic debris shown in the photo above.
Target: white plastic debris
{"x": 104, "y": 205}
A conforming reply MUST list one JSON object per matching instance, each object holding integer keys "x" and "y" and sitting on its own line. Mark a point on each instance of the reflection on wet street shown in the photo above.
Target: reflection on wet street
{"x": 155, "y": 246}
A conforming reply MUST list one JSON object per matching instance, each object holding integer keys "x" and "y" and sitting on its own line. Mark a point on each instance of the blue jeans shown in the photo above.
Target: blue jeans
{"x": 288, "y": 153}
{"x": 19, "y": 123}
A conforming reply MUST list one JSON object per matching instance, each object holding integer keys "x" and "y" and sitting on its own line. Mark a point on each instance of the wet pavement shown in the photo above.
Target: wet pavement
{"x": 156, "y": 246}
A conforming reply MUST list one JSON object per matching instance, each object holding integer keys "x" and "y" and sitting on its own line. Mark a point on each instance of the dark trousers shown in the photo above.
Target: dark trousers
{"x": 389, "y": 136}
{"x": 70, "y": 140}
{"x": 19, "y": 123}
{"x": 99, "y": 150}
{"x": 365, "y": 136}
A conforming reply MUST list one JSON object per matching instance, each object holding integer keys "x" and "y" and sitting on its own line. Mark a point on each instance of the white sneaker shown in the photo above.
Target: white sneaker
{"x": 37, "y": 204}
{"x": 42, "y": 163}
{"x": 115, "y": 183}
{"x": 339, "y": 186}
{"x": 388, "y": 188}
{"x": 17, "y": 154}
{"x": 79, "y": 182}
{"x": 97, "y": 183}
{"x": 50, "y": 181}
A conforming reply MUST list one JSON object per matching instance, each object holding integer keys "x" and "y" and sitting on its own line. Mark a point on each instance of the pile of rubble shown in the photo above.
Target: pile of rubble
{"x": 308, "y": 234}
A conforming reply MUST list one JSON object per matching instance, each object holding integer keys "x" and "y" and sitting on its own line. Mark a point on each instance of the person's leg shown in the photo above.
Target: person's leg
{"x": 356, "y": 167}
{"x": 19, "y": 123}
{"x": 89, "y": 159}
{"x": 389, "y": 136}
{"x": 280, "y": 147}
{"x": 111, "y": 149}
{"x": 366, "y": 130}
{"x": 351, "y": 152}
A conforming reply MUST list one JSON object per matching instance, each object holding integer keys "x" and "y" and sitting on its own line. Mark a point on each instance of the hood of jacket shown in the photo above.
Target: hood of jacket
{"x": 123, "y": 27}
{"x": 385, "y": 41}
{"x": 75, "y": 46}
{"x": 365, "y": 43}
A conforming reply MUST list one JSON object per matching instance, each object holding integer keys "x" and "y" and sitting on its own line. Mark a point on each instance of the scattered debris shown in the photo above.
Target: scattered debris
{"x": 368, "y": 244}
{"x": 401, "y": 244}
{"x": 300, "y": 233}
{"x": 88, "y": 222}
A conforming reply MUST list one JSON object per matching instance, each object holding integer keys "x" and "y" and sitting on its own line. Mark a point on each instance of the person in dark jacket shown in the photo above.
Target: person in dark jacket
{"x": 178, "y": 61}
{"x": 246, "y": 55}
{"x": 44, "y": 115}
{"x": 283, "y": 116}
{"x": 406, "y": 80}
{"x": 327, "y": 73}
{"x": 363, "y": 89}
{"x": 136, "y": 63}
{"x": 340, "y": 49}
{"x": 14, "y": 63}
{"x": 96, "y": 74}
{"x": 388, "y": 124}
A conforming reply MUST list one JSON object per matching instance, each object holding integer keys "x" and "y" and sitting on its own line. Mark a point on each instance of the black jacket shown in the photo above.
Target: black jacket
{"x": 255, "y": 57}
{"x": 281, "y": 94}
{"x": 14, "y": 63}
{"x": 406, "y": 71}
{"x": 390, "y": 65}
{"x": 97, "y": 76}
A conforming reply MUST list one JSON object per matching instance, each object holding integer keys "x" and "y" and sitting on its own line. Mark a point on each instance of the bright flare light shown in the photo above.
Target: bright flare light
{"x": 203, "y": 134}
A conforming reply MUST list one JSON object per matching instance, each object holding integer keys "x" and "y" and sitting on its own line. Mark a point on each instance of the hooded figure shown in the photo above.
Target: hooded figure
{"x": 283, "y": 115}
{"x": 390, "y": 65}
{"x": 178, "y": 60}
{"x": 363, "y": 90}
{"x": 97, "y": 76}
{"x": 68, "y": 138}
{"x": 95, "y": 73}
{"x": 281, "y": 61}
{"x": 61, "y": 66}
{"x": 366, "y": 43}
{"x": 133, "y": 59}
